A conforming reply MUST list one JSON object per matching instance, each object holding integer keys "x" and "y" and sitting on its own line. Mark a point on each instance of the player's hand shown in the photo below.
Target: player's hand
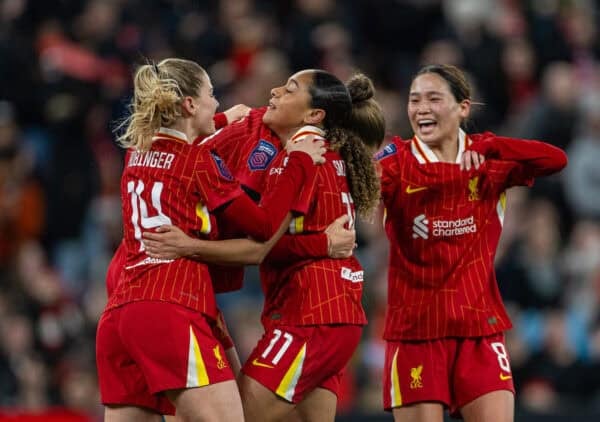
{"x": 314, "y": 148}
{"x": 167, "y": 242}
{"x": 471, "y": 159}
{"x": 236, "y": 112}
{"x": 341, "y": 241}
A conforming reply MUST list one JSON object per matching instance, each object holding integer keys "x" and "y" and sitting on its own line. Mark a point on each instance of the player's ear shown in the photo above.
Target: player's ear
{"x": 188, "y": 106}
{"x": 465, "y": 109}
{"x": 314, "y": 116}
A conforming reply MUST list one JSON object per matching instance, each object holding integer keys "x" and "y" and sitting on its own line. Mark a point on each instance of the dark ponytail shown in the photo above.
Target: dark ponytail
{"x": 356, "y": 142}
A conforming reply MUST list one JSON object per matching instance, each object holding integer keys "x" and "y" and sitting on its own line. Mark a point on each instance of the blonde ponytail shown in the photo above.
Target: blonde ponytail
{"x": 158, "y": 92}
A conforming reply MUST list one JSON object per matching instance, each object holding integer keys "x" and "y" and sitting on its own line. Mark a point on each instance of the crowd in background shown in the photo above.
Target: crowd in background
{"x": 65, "y": 72}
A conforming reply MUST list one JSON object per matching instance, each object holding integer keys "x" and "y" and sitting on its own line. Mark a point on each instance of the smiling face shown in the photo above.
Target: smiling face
{"x": 289, "y": 107}
{"x": 433, "y": 111}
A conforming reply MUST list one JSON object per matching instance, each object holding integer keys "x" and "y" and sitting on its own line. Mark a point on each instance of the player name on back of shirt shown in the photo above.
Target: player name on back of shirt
{"x": 152, "y": 159}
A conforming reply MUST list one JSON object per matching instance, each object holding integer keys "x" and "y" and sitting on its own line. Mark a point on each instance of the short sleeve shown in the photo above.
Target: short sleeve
{"x": 214, "y": 180}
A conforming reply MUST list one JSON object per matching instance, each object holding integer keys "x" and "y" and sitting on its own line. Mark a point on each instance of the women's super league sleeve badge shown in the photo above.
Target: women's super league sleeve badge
{"x": 221, "y": 166}
{"x": 262, "y": 155}
{"x": 388, "y": 150}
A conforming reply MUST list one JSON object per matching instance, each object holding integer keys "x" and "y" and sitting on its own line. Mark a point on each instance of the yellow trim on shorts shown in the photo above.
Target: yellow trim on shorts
{"x": 395, "y": 388}
{"x": 287, "y": 387}
{"x": 196, "y": 373}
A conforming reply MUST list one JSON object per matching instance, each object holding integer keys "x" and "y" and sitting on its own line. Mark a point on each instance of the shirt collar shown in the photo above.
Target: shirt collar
{"x": 172, "y": 133}
{"x": 424, "y": 154}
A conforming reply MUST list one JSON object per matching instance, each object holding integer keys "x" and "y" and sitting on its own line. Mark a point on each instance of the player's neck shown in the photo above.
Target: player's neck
{"x": 185, "y": 127}
{"x": 446, "y": 150}
{"x": 284, "y": 134}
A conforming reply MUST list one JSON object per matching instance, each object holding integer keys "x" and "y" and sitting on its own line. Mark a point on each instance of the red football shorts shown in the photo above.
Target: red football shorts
{"x": 144, "y": 348}
{"x": 453, "y": 371}
{"x": 292, "y": 361}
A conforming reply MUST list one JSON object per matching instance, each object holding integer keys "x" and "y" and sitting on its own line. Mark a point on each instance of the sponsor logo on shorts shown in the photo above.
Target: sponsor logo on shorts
{"x": 415, "y": 374}
{"x": 505, "y": 377}
{"x": 220, "y": 362}
{"x": 255, "y": 362}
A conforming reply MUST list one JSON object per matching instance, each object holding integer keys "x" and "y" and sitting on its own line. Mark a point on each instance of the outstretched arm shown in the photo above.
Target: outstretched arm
{"x": 539, "y": 158}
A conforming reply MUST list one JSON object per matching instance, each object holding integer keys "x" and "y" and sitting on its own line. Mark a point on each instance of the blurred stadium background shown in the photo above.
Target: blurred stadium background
{"x": 65, "y": 70}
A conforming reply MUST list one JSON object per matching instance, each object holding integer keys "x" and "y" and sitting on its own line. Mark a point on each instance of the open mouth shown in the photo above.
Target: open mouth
{"x": 426, "y": 125}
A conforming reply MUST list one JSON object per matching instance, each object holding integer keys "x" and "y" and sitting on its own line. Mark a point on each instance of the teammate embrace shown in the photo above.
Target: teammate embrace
{"x": 162, "y": 345}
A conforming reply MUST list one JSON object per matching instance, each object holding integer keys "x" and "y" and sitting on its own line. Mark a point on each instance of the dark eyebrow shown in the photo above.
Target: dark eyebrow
{"x": 413, "y": 93}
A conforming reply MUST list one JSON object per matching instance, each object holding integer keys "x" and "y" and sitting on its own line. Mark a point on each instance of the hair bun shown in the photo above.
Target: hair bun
{"x": 360, "y": 88}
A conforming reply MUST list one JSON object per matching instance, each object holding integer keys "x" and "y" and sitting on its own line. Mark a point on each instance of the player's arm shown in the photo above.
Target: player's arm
{"x": 538, "y": 158}
{"x": 170, "y": 242}
{"x": 335, "y": 242}
{"x": 261, "y": 222}
{"x": 232, "y": 114}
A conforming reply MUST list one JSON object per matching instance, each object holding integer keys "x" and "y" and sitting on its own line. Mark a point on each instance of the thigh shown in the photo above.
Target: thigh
{"x": 318, "y": 406}
{"x": 261, "y": 405}
{"x": 291, "y": 361}
{"x": 417, "y": 371}
{"x": 174, "y": 346}
{"x": 130, "y": 413}
{"x": 120, "y": 378}
{"x": 482, "y": 366}
{"x": 215, "y": 402}
{"x": 419, "y": 412}
{"x": 497, "y": 406}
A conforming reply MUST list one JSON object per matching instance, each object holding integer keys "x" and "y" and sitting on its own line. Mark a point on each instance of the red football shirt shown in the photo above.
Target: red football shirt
{"x": 315, "y": 291}
{"x": 443, "y": 225}
{"x": 177, "y": 183}
{"x": 248, "y": 147}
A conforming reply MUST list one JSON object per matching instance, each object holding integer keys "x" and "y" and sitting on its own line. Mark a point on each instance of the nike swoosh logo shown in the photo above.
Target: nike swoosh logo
{"x": 255, "y": 362}
{"x": 410, "y": 189}
{"x": 505, "y": 377}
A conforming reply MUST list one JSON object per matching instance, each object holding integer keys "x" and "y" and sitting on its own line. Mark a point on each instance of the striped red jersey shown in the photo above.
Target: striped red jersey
{"x": 315, "y": 291}
{"x": 443, "y": 225}
{"x": 248, "y": 146}
{"x": 176, "y": 183}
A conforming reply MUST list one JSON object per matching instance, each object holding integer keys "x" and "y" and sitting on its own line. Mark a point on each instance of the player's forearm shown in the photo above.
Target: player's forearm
{"x": 227, "y": 252}
{"x": 540, "y": 157}
{"x": 262, "y": 222}
{"x": 220, "y": 120}
{"x": 293, "y": 248}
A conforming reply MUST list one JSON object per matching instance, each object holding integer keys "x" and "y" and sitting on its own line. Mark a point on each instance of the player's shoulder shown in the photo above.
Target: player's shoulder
{"x": 396, "y": 146}
{"x": 253, "y": 120}
{"x": 478, "y": 137}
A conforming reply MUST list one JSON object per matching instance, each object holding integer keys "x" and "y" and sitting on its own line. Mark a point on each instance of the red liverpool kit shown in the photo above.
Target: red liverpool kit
{"x": 172, "y": 183}
{"x": 443, "y": 225}
{"x": 315, "y": 291}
